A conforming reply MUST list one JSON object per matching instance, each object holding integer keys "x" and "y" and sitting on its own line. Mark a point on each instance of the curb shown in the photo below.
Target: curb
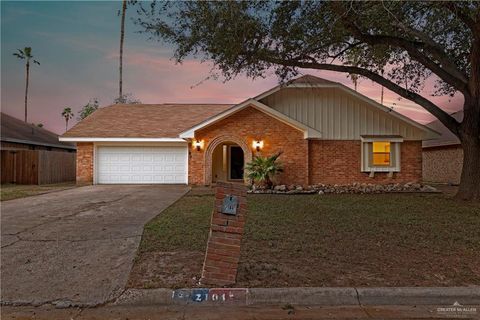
{"x": 419, "y": 296}
{"x": 345, "y": 296}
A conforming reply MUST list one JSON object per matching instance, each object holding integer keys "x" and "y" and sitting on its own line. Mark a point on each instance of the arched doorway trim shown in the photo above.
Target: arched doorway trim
{"x": 247, "y": 153}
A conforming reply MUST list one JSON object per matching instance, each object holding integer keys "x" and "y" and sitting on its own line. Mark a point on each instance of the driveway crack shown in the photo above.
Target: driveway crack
{"x": 11, "y": 244}
{"x": 88, "y": 207}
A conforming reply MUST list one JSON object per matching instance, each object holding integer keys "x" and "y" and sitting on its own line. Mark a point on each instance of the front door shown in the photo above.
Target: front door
{"x": 236, "y": 163}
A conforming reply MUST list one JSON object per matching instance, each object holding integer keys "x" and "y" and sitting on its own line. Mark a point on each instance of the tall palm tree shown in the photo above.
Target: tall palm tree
{"x": 67, "y": 114}
{"x": 354, "y": 78}
{"x": 381, "y": 97}
{"x": 122, "y": 37}
{"x": 26, "y": 54}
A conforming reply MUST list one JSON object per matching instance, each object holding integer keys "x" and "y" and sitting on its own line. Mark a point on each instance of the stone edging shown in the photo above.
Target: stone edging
{"x": 354, "y": 188}
{"x": 440, "y": 296}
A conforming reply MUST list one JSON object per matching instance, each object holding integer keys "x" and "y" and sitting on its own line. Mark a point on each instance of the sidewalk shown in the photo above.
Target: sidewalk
{"x": 270, "y": 303}
{"x": 311, "y": 296}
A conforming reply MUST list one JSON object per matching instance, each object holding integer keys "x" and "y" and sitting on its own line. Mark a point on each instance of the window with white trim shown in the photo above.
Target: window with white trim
{"x": 381, "y": 154}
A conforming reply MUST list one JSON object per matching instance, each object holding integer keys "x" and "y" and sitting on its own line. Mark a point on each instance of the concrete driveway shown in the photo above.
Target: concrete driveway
{"x": 75, "y": 247}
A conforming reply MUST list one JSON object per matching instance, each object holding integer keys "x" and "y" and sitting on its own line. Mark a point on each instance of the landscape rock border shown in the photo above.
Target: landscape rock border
{"x": 354, "y": 188}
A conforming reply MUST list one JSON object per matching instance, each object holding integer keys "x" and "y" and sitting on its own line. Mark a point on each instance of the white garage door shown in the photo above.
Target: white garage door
{"x": 142, "y": 165}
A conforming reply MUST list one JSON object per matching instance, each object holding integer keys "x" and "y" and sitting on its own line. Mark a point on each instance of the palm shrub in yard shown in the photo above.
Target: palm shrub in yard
{"x": 261, "y": 170}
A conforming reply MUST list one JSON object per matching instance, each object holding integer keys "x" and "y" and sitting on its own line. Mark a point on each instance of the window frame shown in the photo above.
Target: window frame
{"x": 367, "y": 154}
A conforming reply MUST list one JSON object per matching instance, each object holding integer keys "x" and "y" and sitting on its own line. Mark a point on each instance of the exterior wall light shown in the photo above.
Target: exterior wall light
{"x": 197, "y": 144}
{"x": 257, "y": 144}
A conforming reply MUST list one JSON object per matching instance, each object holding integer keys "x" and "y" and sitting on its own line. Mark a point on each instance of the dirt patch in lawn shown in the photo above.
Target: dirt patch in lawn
{"x": 330, "y": 240}
{"x": 179, "y": 269}
{"x": 173, "y": 244}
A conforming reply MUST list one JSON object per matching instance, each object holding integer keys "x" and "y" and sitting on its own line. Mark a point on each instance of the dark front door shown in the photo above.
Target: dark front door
{"x": 236, "y": 163}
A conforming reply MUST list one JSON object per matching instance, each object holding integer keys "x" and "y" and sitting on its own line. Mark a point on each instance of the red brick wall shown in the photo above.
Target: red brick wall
{"x": 223, "y": 247}
{"x": 338, "y": 162}
{"x": 250, "y": 124}
{"x": 305, "y": 161}
{"x": 84, "y": 163}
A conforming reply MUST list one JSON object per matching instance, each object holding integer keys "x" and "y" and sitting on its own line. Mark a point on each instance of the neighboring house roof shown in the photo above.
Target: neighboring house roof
{"x": 447, "y": 138}
{"x": 17, "y": 131}
{"x": 143, "y": 120}
{"x": 308, "y": 132}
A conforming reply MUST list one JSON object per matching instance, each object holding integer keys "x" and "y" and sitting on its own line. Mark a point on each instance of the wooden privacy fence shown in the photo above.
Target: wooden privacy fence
{"x": 37, "y": 166}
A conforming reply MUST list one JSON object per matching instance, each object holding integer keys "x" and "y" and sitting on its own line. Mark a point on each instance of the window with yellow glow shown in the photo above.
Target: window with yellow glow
{"x": 381, "y": 154}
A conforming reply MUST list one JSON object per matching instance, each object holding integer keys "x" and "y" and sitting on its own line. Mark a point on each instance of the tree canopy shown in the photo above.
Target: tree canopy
{"x": 397, "y": 44}
{"x": 88, "y": 109}
{"x": 406, "y": 42}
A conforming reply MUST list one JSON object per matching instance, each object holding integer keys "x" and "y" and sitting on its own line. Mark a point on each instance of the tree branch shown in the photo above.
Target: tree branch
{"x": 435, "y": 50}
{"x": 350, "y": 46}
{"x": 441, "y": 115}
{"x": 410, "y": 46}
{"x": 412, "y": 49}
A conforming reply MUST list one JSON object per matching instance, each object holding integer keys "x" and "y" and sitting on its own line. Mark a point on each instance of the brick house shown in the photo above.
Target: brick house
{"x": 327, "y": 133}
{"x": 443, "y": 156}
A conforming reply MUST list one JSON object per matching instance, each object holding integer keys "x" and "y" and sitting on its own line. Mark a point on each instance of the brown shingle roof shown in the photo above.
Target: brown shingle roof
{"x": 447, "y": 138}
{"x": 144, "y": 120}
{"x": 16, "y": 130}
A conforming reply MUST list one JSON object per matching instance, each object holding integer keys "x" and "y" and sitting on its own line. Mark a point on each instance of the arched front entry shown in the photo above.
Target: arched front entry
{"x": 229, "y": 141}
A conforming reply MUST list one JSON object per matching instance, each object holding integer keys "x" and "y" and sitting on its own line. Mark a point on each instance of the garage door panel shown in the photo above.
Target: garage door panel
{"x": 142, "y": 165}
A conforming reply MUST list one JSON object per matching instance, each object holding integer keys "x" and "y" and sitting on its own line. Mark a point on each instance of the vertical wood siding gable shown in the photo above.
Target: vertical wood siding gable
{"x": 339, "y": 115}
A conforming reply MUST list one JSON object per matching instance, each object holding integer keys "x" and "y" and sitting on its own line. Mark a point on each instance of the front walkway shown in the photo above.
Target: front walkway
{"x": 75, "y": 247}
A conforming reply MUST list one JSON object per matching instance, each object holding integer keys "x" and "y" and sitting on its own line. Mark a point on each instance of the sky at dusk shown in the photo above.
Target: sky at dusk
{"x": 77, "y": 45}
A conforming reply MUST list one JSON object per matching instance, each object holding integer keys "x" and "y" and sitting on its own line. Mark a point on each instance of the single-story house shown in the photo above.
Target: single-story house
{"x": 443, "y": 156}
{"x": 327, "y": 133}
{"x": 33, "y": 155}
{"x": 19, "y": 135}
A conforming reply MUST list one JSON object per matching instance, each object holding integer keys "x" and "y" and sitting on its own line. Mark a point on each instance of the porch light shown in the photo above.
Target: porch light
{"x": 198, "y": 144}
{"x": 257, "y": 144}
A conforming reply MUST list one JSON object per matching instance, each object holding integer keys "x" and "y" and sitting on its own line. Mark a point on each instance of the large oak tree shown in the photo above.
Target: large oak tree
{"x": 396, "y": 44}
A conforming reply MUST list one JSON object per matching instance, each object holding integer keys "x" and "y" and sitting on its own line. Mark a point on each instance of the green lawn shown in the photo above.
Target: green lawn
{"x": 329, "y": 240}
{"x": 14, "y": 191}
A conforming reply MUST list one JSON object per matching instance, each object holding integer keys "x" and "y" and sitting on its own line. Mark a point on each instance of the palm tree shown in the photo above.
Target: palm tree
{"x": 354, "y": 78}
{"x": 263, "y": 169}
{"x": 67, "y": 114}
{"x": 26, "y": 54}
{"x": 122, "y": 37}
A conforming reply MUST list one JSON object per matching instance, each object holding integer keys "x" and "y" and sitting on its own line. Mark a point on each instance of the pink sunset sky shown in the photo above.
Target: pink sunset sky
{"x": 77, "y": 45}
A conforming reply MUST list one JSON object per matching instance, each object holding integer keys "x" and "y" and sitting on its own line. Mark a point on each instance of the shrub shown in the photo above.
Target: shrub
{"x": 262, "y": 169}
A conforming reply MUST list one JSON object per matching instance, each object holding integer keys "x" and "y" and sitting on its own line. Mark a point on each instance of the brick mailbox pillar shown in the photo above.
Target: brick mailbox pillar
{"x": 226, "y": 231}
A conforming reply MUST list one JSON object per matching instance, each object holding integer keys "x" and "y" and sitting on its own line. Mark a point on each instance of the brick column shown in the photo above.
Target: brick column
{"x": 226, "y": 231}
{"x": 84, "y": 163}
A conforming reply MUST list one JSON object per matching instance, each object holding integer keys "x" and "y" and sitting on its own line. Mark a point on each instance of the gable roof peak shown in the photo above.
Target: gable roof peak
{"x": 311, "y": 79}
